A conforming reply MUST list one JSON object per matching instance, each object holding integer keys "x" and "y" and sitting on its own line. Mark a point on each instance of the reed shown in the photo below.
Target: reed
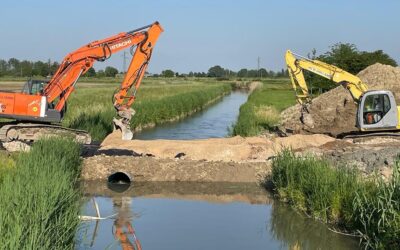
{"x": 341, "y": 197}
{"x": 39, "y": 205}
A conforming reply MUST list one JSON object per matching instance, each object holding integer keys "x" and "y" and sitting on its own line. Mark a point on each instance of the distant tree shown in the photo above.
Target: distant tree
{"x": 167, "y": 73}
{"x": 347, "y": 57}
{"x": 191, "y": 74}
{"x": 110, "y": 71}
{"x": 242, "y": 73}
{"x": 216, "y": 71}
{"x": 91, "y": 72}
{"x": 176, "y": 74}
{"x": 100, "y": 73}
{"x": 3, "y": 67}
{"x": 263, "y": 72}
{"x": 313, "y": 54}
{"x": 40, "y": 69}
{"x": 14, "y": 67}
{"x": 378, "y": 56}
{"x": 26, "y": 68}
{"x": 271, "y": 73}
{"x": 54, "y": 67}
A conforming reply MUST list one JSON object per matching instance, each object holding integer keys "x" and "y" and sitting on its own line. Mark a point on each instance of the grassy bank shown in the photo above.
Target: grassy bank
{"x": 39, "y": 205}
{"x": 91, "y": 109}
{"x": 262, "y": 109}
{"x": 339, "y": 196}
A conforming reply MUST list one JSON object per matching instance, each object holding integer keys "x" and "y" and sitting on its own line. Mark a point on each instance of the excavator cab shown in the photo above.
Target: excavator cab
{"x": 377, "y": 110}
{"x": 33, "y": 87}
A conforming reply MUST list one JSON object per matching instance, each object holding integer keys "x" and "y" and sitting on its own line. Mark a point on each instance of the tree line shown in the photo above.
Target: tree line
{"x": 343, "y": 55}
{"x": 220, "y": 72}
{"x": 16, "y": 68}
{"x": 347, "y": 57}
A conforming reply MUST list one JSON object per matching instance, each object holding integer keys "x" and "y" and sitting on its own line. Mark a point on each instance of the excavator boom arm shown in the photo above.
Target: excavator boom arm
{"x": 296, "y": 66}
{"x": 80, "y": 61}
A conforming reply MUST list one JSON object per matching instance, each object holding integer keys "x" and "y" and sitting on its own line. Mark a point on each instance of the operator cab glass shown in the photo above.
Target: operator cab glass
{"x": 375, "y": 108}
{"x": 33, "y": 87}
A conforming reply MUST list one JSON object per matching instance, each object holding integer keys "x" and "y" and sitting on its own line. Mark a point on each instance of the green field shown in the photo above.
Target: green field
{"x": 261, "y": 111}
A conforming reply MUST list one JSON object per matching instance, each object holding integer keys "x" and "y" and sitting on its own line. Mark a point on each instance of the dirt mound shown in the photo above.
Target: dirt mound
{"x": 237, "y": 149}
{"x": 334, "y": 112}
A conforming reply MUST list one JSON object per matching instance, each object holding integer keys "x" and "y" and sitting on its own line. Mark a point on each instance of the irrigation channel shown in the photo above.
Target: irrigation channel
{"x": 198, "y": 215}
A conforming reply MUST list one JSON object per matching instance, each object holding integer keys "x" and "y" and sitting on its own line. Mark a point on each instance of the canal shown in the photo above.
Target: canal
{"x": 198, "y": 215}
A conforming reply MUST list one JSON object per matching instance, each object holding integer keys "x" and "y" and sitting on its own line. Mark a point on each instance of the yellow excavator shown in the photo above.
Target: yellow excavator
{"x": 377, "y": 109}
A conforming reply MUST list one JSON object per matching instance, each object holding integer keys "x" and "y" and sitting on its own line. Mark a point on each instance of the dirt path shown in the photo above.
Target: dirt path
{"x": 234, "y": 159}
{"x": 236, "y": 149}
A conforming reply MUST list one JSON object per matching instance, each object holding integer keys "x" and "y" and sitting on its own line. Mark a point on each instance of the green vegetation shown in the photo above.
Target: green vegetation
{"x": 262, "y": 109}
{"x": 347, "y": 57}
{"x": 92, "y": 109}
{"x": 339, "y": 196}
{"x": 40, "y": 204}
{"x": 7, "y": 163}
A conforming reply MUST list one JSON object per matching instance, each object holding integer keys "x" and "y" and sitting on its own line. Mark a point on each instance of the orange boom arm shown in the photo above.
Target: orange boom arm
{"x": 80, "y": 61}
{"x": 48, "y": 104}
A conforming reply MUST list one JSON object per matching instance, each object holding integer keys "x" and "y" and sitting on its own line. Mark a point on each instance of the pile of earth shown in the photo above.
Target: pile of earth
{"x": 334, "y": 112}
{"x": 234, "y": 149}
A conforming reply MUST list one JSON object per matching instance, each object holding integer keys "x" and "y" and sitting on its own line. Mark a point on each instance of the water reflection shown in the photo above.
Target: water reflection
{"x": 123, "y": 229}
{"x": 298, "y": 232}
{"x": 199, "y": 216}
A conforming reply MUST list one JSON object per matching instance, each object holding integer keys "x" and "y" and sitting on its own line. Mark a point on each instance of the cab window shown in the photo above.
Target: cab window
{"x": 375, "y": 108}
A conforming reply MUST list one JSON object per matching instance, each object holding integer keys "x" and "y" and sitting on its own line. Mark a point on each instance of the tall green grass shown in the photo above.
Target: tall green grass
{"x": 262, "y": 109}
{"x": 92, "y": 110}
{"x": 7, "y": 163}
{"x": 339, "y": 196}
{"x": 39, "y": 202}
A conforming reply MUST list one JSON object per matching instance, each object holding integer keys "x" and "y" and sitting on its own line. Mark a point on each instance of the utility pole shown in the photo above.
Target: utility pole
{"x": 258, "y": 66}
{"x": 124, "y": 57}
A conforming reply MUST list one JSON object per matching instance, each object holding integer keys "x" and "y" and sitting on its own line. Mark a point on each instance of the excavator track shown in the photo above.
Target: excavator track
{"x": 29, "y": 132}
{"x": 372, "y": 135}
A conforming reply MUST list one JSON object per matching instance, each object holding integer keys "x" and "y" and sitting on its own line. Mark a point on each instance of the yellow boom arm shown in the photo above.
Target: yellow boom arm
{"x": 296, "y": 64}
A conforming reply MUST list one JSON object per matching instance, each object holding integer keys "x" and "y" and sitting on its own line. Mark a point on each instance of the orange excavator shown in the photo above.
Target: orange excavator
{"x": 40, "y": 105}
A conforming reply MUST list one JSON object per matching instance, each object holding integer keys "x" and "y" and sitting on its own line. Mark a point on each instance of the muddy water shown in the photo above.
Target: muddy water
{"x": 213, "y": 122}
{"x": 198, "y": 216}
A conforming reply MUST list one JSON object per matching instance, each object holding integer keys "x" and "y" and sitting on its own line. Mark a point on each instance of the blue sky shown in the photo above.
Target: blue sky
{"x": 200, "y": 34}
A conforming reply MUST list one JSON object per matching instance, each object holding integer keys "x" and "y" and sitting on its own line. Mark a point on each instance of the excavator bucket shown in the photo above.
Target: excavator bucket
{"x": 123, "y": 123}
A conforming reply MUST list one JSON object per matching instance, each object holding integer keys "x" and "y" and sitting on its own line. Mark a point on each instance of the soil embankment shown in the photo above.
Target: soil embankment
{"x": 234, "y": 159}
{"x": 334, "y": 112}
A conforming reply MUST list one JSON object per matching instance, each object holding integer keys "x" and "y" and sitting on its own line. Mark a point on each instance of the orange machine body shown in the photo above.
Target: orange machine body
{"x": 48, "y": 105}
{"x": 14, "y": 105}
